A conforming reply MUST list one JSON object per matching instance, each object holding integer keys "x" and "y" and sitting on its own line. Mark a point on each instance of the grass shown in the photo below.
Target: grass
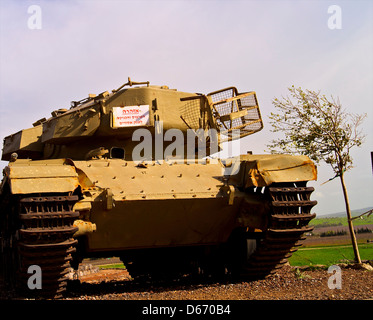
{"x": 301, "y": 275}
{"x": 113, "y": 266}
{"x": 329, "y": 255}
{"x": 340, "y": 221}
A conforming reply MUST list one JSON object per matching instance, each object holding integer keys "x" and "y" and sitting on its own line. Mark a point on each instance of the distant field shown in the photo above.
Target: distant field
{"x": 334, "y": 249}
{"x": 338, "y": 224}
{"x": 340, "y": 221}
{"x": 329, "y": 255}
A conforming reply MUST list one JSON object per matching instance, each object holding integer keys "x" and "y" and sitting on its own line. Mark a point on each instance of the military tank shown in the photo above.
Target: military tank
{"x": 133, "y": 173}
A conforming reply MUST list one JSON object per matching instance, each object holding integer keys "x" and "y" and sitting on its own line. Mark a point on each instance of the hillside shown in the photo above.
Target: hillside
{"x": 343, "y": 213}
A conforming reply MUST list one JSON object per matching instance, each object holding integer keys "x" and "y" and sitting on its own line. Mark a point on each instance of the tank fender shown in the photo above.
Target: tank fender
{"x": 263, "y": 170}
{"x": 26, "y": 176}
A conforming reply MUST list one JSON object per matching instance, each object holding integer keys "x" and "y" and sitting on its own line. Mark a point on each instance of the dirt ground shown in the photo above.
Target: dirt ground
{"x": 287, "y": 284}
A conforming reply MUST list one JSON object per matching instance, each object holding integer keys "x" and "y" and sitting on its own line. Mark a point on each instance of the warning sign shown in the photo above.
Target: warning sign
{"x": 131, "y": 116}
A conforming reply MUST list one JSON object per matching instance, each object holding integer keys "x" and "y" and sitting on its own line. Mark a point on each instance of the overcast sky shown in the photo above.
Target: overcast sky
{"x": 195, "y": 46}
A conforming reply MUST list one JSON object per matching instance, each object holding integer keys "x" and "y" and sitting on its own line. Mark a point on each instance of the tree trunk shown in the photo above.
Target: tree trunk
{"x": 350, "y": 225}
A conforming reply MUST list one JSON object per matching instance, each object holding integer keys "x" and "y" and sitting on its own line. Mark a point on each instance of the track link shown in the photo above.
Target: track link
{"x": 290, "y": 214}
{"x": 43, "y": 238}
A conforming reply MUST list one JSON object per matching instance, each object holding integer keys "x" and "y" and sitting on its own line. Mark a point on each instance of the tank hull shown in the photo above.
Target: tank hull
{"x": 157, "y": 204}
{"x": 138, "y": 224}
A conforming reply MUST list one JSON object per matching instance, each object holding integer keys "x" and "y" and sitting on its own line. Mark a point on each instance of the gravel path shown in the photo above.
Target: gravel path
{"x": 288, "y": 284}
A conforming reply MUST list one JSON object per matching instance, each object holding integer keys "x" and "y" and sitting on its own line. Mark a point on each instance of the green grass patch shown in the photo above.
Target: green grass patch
{"x": 113, "y": 266}
{"x": 340, "y": 221}
{"x": 329, "y": 255}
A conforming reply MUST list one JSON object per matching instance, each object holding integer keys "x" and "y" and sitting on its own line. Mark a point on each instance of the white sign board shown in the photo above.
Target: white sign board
{"x": 130, "y": 116}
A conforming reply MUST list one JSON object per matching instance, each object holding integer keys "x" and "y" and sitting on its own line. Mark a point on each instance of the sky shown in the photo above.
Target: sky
{"x": 69, "y": 49}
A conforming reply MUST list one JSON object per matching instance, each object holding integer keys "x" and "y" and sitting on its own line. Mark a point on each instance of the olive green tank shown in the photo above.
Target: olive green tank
{"x": 133, "y": 173}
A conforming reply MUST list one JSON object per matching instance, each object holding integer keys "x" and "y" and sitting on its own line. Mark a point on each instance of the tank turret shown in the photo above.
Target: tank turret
{"x": 107, "y": 121}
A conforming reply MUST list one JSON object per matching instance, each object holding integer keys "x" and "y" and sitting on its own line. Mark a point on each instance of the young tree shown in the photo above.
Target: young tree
{"x": 318, "y": 127}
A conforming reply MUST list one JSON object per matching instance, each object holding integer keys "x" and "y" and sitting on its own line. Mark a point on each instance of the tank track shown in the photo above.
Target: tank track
{"x": 40, "y": 233}
{"x": 290, "y": 214}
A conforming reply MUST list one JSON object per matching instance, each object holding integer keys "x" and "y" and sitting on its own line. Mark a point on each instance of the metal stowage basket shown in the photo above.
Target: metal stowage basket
{"x": 234, "y": 111}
